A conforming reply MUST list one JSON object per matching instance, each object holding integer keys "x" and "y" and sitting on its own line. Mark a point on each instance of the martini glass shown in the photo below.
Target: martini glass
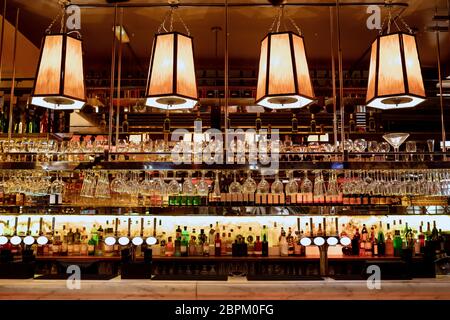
{"x": 396, "y": 140}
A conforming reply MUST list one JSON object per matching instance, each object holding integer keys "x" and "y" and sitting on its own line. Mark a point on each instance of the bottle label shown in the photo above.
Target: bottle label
{"x": 183, "y": 249}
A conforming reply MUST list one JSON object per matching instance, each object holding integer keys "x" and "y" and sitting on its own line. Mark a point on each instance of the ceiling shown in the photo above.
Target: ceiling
{"x": 247, "y": 26}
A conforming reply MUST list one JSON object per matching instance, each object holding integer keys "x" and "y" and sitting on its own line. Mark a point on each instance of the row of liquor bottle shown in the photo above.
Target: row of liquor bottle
{"x": 32, "y": 121}
{"x": 376, "y": 240}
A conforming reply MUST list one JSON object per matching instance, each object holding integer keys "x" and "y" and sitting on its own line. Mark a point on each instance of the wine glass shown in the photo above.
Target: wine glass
{"x": 396, "y": 140}
{"x": 411, "y": 147}
{"x": 235, "y": 186}
{"x": 173, "y": 188}
{"x": 430, "y": 144}
{"x": 202, "y": 186}
{"x": 249, "y": 185}
{"x": 263, "y": 185}
{"x": 188, "y": 186}
{"x": 319, "y": 187}
{"x": 306, "y": 187}
{"x": 277, "y": 186}
{"x": 291, "y": 186}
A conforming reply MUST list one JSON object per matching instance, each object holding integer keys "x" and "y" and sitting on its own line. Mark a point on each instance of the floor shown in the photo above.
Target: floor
{"x": 329, "y": 289}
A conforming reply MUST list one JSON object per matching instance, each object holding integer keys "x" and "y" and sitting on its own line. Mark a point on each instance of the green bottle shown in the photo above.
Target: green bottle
{"x": 184, "y": 242}
{"x": 397, "y": 244}
{"x": 381, "y": 241}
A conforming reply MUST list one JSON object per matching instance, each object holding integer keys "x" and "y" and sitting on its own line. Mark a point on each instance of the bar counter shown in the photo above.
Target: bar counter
{"x": 234, "y": 288}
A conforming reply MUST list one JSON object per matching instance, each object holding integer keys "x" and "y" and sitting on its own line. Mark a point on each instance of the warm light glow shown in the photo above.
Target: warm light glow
{"x": 125, "y": 38}
{"x": 283, "y": 80}
{"x": 395, "y": 79}
{"x": 172, "y": 84}
{"x": 60, "y": 79}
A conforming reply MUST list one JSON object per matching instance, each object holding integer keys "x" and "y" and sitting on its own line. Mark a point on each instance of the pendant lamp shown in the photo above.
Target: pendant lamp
{"x": 59, "y": 82}
{"x": 395, "y": 77}
{"x": 171, "y": 81}
{"x": 283, "y": 78}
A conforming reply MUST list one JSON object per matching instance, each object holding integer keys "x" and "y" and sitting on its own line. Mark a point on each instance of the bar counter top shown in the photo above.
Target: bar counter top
{"x": 233, "y": 289}
{"x": 222, "y": 258}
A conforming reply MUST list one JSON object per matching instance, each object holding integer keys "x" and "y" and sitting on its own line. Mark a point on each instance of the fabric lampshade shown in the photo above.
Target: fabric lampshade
{"x": 283, "y": 79}
{"x": 171, "y": 80}
{"x": 395, "y": 78}
{"x": 59, "y": 82}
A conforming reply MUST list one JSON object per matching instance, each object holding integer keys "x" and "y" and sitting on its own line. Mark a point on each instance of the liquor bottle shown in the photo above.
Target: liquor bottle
{"x": 364, "y": 233}
{"x": 312, "y": 124}
{"x": 434, "y": 233}
{"x": 229, "y": 244}
{"x": 212, "y": 238}
{"x": 177, "y": 252}
{"x": 356, "y": 242}
{"x": 421, "y": 238}
{"x": 398, "y": 243}
{"x": 319, "y": 231}
{"x": 162, "y": 244}
{"x": 169, "y": 247}
{"x": 283, "y": 244}
{"x": 103, "y": 123}
{"x": 250, "y": 242}
{"x": 217, "y": 245}
{"x": 265, "y": 243}
{"x": 389, "y": 242}
{"x": 294, "y": 124}
{"x": 352, "y": 123}
{"x": 43, "y": 125}
{"x": 428, "y": 233}
{"x": 192, "y": 244}
{"x": 380, "y": 241}
{"x": 372, "y": 123}
{"x": 258, "y": 247}
{"x": 184, "y": 242}
{"x": 258, "y": 122}
{"x": 290, "y": 241}
{"x": 223, "y": 248}
{"x": 178, "y": 233}
{"x": 125, "y": 124}
{"x": 70, "y": 242}
{"x": 202, "y": 239}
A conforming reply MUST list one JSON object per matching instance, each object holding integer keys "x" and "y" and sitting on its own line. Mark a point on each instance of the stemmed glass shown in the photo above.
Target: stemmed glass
{"x": 306, "y": 188}
{"x": 202, "y": 186}
{"x": 216, "y": 188}
{"x": 319, "y": 187}
{"x": 173, "y": 188}
{"x": 396, "y": 140}
{"x": 333, "y": 187}
{"x": 263, "y": 185}
{"x": 249, "y": 185}
{"x": 291, "y": 186}
{"x": 235, "y": 186}
{"x": 277, "y": 186}
{"x": 411, "y": 148}
{"x": 188, "y": 186}
{"x": 430, "y": 144}
{"x": 359, "y": 145}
